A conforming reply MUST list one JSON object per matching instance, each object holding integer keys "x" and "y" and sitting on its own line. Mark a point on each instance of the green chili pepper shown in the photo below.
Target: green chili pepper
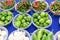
{"x": 50, "y": 36}
{"x": 39, "y": 34}
{"x": 44, "y": 37}
{"x": 34, "y": 37}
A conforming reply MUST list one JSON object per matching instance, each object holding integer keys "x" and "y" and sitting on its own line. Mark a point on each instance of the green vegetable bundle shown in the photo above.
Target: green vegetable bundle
{"x": 42, "y": 34}
{"x": 22, "y": 21}
{"x": 41, "y": 19}
{"x": 5, "y": 17}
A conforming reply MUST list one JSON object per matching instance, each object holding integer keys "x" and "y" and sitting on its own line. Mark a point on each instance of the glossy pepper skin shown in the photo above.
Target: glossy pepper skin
{"x": 50, "y": 36}
{"x": 9, "y": 2}
{"x": 36, "y": 4}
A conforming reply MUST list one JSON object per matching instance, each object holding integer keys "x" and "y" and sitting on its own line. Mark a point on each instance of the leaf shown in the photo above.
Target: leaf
{"x": 28, "y": 1}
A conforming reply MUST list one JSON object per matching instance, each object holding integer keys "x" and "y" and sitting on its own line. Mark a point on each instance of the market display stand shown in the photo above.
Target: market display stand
{"x": 55, "y": 27}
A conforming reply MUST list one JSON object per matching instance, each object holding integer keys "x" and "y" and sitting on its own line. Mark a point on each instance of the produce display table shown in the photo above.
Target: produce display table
{"x": 55, "y": 27}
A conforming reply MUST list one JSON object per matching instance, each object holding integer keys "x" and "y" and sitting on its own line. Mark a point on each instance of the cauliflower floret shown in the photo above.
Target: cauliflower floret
{"x": 3, "y": 33}
{"x": 58, "y": 36}
{"x": 18, "y": 35}
{"x": 1, "y": 38}
{"x": 26, "y": 38}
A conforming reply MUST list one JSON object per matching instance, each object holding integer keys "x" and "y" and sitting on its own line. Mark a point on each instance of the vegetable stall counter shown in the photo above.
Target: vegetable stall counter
{"x": 54, "y": 25}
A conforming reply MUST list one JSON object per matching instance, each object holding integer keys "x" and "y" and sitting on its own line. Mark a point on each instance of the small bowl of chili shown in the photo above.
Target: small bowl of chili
{"x": 7, "y": 5}
{"x": 23, "y": 6}
{"x": 39, "y": 6}
{"x": 55, "y": 7}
